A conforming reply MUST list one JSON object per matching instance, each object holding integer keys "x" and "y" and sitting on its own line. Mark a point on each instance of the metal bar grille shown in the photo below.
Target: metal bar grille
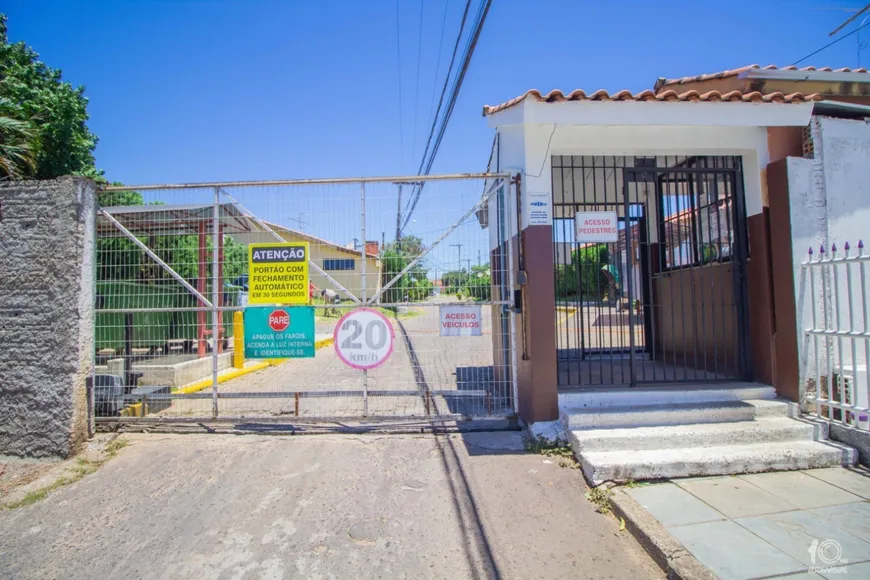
{"x": 657, "y": 301}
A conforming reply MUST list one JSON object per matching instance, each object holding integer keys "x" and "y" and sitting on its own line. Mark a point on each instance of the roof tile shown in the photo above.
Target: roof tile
{"x": 734, "y": 72}
{"x": 668, "y": 95}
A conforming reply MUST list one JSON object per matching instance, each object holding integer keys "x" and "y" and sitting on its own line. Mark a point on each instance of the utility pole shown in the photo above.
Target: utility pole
{"x": 399, "y": 206}
{"x": 478, "y": 257}
{"x": 399, "y": 215}
{"x": 458, "y": 254}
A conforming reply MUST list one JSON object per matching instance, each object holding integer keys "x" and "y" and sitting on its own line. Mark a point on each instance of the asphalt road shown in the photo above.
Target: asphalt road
{"x": 321, "y": 506}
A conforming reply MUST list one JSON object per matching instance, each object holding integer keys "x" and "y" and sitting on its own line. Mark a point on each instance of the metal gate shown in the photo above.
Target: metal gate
{"x": 660, "y": 296}
{"x": 172, "y": 284}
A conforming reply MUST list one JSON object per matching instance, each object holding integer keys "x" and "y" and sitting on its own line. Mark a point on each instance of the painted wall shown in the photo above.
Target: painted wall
{"x": 829, "y": 199}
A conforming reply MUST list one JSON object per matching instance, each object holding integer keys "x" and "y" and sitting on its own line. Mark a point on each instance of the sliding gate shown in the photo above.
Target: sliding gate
{"x": 650, "y": 260}
{"x": 400, "y": 270}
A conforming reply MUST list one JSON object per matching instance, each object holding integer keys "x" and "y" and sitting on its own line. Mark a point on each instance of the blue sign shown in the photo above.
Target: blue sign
{"x": 279, "y": 332}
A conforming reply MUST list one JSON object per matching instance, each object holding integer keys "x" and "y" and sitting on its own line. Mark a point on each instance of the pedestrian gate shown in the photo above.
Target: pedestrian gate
{"x": 650, "y": 257}
{"x": 410, "y": 303}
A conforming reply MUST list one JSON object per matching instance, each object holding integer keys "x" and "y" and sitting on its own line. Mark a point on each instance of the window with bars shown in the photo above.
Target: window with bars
{"x": 697, "y": 226}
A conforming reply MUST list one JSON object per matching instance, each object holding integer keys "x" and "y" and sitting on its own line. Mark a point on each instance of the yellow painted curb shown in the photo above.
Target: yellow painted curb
{"x": 568, "y": 309}
{"x": 235, "y": 373}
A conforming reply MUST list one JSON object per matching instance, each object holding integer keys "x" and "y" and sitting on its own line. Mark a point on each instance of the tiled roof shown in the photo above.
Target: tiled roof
{"x": 648, "y": 95}
{"x": 662, "y": 82}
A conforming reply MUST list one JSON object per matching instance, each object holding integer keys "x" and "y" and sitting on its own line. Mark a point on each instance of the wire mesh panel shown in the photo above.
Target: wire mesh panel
{"x": 649, "y": 260}
{"x": 175, "y": 296}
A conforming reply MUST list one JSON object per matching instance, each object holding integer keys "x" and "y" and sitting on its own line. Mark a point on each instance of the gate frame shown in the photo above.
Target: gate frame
{"x": 738, "y": 258}
{"x": 501, "y": 182}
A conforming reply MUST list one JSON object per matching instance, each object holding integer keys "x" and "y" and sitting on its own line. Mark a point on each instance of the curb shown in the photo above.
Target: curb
{"x": 671, "y": 556}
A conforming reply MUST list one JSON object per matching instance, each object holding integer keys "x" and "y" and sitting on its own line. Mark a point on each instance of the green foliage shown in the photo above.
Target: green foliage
{"x": 16, "y": 142}
{"x": 475, "y": 285}
{"x": 414, "y": 284}
{"x": 58, "y": 138}
{"x": 585, "y": 276}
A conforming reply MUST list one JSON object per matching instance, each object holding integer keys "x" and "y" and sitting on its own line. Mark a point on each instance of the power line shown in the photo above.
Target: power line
{"x": 446, "y": 83}
{"x": 440, "y": 102}
{"x": 830, "y": 44}
{"x": 438, "y": 60}
{"x": 399, "y": 66}
{"x": 454, "y": 94}
{"x": 417, "y": 84}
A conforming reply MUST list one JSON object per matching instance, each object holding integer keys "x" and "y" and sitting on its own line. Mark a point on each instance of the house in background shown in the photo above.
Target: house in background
{"x": 342, "y": 264}
{"x": 682, "y": 169}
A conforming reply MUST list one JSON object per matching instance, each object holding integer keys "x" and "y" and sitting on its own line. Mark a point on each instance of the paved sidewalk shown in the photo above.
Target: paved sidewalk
{"x": 813, "y": 523}
{"x": 474, "y": 505}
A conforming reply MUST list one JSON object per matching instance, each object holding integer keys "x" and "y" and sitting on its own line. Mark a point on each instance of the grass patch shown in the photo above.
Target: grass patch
{"x": 81, "y": 468}
{"x": 600, "y": 496}
{"x": 549, "y": 448}
{"x": 392, "y": 312}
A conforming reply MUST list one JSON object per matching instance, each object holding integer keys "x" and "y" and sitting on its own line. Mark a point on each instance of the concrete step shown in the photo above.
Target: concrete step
{"x": 621, "y": 466}
{"x": 623, "y": 396}
{"x": 761, "y": 430}
{"x": 673, "y": 414}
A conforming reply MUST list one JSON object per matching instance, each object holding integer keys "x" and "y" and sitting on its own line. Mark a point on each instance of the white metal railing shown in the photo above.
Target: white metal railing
{"x": 835, "y": 350}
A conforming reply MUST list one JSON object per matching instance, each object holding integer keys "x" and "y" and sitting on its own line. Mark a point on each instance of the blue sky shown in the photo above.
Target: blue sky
{"x": 184, "y": 90}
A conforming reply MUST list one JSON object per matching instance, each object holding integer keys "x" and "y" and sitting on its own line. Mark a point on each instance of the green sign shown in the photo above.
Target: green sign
{"x": 279, "y": 332}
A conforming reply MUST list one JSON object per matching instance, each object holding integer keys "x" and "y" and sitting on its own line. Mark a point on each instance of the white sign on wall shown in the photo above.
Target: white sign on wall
{"x": 596, "y": 226}
{"x": 538, "y": 208}
{"x": 460, "y": 320}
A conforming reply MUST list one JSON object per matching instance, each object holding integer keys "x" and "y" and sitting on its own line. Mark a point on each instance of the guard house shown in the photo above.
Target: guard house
{"x": 642, "y": 246}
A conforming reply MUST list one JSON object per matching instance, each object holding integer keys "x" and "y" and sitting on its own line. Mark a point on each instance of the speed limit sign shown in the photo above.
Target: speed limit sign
{"x": 364, "y": 338}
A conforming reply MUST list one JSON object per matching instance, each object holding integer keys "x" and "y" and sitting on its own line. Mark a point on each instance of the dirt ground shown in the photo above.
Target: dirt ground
{"x": 474, "y": 505}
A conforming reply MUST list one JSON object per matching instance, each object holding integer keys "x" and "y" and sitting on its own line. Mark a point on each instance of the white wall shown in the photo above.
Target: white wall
{"x": 541, "y": 142}
{"x": 829, "y": 204}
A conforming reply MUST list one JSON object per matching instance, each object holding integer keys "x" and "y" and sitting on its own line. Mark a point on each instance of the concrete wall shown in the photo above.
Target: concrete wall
{"x": 177, "y": 375}
{"x": 829, "y": 203}
{"x": 46, "y": 315}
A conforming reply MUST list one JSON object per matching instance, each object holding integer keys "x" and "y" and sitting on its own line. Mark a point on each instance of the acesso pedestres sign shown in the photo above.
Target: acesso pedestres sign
{"x": 596, "y": 226}
{"x": 460, "y": 320}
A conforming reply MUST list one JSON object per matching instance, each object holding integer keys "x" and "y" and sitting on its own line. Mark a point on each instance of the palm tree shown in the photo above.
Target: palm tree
{"x": 16, "y": 138}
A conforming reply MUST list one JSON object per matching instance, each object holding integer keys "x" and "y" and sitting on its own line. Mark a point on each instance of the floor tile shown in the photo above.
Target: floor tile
{"x": 735, "y": 497}
{"x": 797, "y": 533}
{"x": 854, "y": 481}
{"x": 850, "y": 571}
{"x": 673, "y": 506}
{"x": 800, "y": 490}
{"x": 731, "y": 551}
{"x": 853, "y": 517}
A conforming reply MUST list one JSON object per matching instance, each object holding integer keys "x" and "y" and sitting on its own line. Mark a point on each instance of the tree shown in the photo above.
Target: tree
{"x": 586, "y": 276}
{"x": 16, "y": 142}
{"x": 54, "y": 110}
{"x": 478, "y": 285}
{"x": 414, "y": 284}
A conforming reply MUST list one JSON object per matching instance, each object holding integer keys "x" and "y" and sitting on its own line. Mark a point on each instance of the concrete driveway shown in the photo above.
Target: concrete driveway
{"x": 321, "y": 506}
